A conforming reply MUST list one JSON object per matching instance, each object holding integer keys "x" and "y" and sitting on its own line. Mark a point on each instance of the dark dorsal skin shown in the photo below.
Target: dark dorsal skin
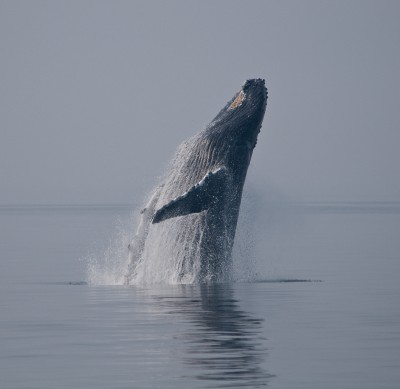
{"x": 193, "y": 216}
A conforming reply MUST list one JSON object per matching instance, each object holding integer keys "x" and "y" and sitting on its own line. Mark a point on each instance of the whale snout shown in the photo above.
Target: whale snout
{"x": 253, "y": 111}
{"x": 255, "y": 89}
{"x": 253, "y": 82}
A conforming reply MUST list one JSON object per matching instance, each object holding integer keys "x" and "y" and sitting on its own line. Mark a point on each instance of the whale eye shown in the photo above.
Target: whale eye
{"x": 238, "y": 101}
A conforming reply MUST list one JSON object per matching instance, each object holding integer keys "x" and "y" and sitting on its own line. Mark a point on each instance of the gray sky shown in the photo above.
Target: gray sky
{"x": 96, "y": 96}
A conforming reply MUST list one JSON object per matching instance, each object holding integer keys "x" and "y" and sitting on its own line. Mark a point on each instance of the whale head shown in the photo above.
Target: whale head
{"x": 233, "y": 132}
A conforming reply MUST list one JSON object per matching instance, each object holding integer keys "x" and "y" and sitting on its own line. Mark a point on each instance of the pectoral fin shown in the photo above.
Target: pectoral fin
{"x": 197, "y": 199}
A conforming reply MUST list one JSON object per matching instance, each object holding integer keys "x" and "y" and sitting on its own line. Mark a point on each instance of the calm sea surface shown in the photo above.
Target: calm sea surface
{"x": 323, "y": 313}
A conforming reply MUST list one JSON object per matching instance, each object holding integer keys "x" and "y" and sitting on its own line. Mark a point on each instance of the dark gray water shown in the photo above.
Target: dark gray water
{"x": 340, "y": 330}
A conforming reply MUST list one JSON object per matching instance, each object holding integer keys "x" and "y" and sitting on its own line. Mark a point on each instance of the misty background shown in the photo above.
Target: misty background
{"x": 96, "y": 96}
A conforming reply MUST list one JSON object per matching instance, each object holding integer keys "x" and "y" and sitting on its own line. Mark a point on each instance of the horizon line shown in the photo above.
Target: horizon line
{"x": 124, "y": 205}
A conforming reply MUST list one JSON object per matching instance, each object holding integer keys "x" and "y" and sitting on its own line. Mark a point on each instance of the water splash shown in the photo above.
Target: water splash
{"x": 108, "y": 267}
{"x": 159, "y": 262}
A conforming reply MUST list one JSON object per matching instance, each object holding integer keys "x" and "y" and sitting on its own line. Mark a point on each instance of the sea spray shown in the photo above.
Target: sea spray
{"x": 160, "y": 263}
{"x": 254, "y": 256}
{"x": 107, "y": 265}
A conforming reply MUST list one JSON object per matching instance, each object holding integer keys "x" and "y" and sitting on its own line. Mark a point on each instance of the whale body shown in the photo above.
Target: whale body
{"x": 188, "y": 225}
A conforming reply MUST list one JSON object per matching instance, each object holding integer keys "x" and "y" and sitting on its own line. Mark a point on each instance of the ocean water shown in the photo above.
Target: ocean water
{"x": 316, "y": 304}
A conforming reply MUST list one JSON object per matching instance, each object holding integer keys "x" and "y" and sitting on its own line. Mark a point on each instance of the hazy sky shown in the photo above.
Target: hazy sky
{"x": 96, "y": 96}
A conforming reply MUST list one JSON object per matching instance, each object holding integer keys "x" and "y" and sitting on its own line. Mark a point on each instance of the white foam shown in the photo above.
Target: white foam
{"x": 109, "y": 266}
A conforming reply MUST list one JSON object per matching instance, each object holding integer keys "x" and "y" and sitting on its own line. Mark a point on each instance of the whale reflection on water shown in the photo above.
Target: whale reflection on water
{"x": 223, "y": 343}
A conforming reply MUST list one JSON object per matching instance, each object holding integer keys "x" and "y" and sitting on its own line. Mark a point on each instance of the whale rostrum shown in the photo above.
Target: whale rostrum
{"x": 188, "y": 225}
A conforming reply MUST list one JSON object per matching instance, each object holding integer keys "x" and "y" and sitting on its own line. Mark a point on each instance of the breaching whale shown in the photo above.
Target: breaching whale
{"x": 188, "y": 225}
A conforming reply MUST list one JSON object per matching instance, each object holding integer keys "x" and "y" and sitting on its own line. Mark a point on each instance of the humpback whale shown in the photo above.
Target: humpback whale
{"x": 188, "y": 225}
